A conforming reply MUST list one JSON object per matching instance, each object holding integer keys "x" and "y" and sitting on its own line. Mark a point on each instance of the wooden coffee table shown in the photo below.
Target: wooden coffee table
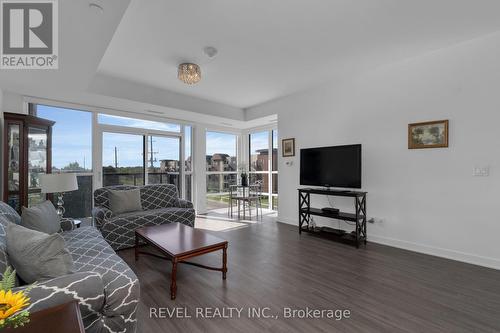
{"x": 178, "y": 242}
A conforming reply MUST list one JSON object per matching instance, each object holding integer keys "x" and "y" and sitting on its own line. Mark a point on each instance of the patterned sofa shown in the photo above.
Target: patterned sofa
{"x": 160, "y": 204}
{"x": 105, "y": 287}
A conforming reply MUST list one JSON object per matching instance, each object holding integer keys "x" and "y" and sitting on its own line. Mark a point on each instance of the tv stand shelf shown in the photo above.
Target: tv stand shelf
{"x": 359, "y": 217}
{"x": 340, "y": 216}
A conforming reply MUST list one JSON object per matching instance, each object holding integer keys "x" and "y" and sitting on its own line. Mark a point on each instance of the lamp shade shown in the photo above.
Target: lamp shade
{"x": 58, "y": 182}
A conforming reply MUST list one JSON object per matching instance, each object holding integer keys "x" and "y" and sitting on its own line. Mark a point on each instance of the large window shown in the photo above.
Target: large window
{"x": 274, "y": 172}
{"x": 72, "y": 152}
{"x": 130, "y": 152}
{"x": 163, "y": 160}
{"x": 263, "y": 168}
{"x": 107, "y": 119}
{"x": 221, "y": 167}
{"x": 147, "y": 154}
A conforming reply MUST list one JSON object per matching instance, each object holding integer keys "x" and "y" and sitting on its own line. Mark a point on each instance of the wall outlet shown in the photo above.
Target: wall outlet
{"x": 481, "y": 171}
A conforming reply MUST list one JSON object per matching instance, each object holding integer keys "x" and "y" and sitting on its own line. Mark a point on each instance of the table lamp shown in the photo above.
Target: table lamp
{"x": 58, "y": 183}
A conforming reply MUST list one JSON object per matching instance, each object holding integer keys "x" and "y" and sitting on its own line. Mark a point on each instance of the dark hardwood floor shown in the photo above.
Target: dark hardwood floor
{"x": 270, "y": 265}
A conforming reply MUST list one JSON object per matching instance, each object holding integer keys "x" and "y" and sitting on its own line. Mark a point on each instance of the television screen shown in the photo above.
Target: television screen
{"x": 337, "y": 166}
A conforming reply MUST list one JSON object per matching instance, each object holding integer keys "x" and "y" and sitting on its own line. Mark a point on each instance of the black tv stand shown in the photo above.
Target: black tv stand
{"x": 359, "y": 217}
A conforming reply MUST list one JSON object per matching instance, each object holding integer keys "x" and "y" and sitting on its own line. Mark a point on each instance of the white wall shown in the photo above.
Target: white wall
{"x": 13, "y": 103}
{"x": 200, "y": 179}
{"x": 428, "y": 199}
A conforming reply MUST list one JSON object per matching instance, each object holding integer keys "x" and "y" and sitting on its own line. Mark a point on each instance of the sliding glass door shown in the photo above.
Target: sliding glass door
{"x": 122, "y": 159}
{"x": 221, "y": 167}
{"x": 105, "y": 149}
{"x": 163, "y": 160}
{"x": 135, "y": 159}
{"x": 263, "y": 167}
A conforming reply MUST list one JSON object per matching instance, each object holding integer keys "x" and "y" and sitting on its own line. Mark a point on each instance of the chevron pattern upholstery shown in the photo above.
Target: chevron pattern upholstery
{"x": 7, "y": 215}
{"x": 106, "y": 289}
{"x": 160, "y": 203}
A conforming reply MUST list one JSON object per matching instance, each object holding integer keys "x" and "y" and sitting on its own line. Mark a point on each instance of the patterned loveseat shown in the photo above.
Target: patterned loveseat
{"x": 160, "y": 204}
{"x": 106, "y": 289}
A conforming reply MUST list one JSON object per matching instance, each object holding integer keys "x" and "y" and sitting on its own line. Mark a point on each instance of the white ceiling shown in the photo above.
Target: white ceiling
{"x": 272, "y": 48}
{"x": 83, "y": 39}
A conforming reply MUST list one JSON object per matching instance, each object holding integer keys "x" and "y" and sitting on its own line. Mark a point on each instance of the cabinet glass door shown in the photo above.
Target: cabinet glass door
{"x": 14, "y": 166}
{"x": 37, "y": 163}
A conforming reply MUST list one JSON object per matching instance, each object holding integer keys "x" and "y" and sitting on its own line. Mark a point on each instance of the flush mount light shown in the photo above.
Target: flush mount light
{"x": 189, "y": 73}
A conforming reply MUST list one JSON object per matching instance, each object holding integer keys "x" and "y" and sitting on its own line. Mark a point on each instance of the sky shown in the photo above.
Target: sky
{"x": 221, "y": 143}
{"x": 259, "y": 140}
{"x": 129, "y": 149}
{"x": 72, "y": 139}
{"x": 71, "y": 135}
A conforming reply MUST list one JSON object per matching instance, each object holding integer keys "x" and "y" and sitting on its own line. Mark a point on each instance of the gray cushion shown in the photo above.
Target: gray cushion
{"x": 125, "y": 201}
{"x": 37, "y": 256}
{"x": 42, "y": 217}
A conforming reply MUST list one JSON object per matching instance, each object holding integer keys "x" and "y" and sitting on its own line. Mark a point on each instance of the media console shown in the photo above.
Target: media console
{"x": 359, "y": 217}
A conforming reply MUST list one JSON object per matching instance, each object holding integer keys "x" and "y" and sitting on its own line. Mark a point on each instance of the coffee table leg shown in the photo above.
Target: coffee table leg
{"x": 224, "y": 262}
{"x": 173, "y": 284}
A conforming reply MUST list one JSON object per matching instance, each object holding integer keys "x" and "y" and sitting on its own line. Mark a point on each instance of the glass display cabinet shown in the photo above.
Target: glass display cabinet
{"x": 27, "y": 154}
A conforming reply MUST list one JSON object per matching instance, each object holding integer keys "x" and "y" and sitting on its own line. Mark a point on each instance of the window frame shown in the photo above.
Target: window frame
{"x": 270, "y": 172}
{"x": 29, "y": 107}
{"x": 223, "y": 173}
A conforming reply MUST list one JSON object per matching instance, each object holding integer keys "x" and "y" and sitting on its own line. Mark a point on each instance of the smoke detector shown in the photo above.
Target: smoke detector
{"x": 210, "y": 51}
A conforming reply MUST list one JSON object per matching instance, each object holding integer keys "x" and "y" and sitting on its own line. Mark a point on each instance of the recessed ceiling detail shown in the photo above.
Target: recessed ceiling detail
{"x": 276, "y": 48}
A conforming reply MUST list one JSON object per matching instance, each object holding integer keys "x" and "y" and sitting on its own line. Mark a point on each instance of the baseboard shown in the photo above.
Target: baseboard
{"x": 436, "y": 251}
{"x": 426, "y": 249}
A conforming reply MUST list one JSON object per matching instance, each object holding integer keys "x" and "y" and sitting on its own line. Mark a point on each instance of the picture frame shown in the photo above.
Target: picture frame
{"x": 428, "y": 134}
{"x": 288, "y": 147}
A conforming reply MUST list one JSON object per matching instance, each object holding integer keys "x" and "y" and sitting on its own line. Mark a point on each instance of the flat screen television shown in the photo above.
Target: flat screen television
{"x": 336, "y": 166}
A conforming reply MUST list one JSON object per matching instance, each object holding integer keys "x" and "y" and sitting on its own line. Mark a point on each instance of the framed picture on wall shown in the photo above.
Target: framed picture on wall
{"x": 429, "y": 134}
{"x": 288, "y": 147}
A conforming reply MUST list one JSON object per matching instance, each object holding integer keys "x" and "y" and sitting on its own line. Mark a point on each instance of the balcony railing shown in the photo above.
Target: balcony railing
{"x": 136, "y": 179}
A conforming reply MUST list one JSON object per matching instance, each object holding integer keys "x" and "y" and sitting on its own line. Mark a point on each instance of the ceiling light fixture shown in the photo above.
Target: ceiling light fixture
{"x": 189, "y": 73}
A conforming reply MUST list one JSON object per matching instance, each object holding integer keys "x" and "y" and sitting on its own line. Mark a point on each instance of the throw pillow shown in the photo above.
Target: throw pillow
{"x": 42, "y": 217}
{"x": 37, "y": 256}
{"x": 124, "y": 201}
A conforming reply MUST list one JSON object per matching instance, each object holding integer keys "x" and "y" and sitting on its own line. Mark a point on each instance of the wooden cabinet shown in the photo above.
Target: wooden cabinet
{"x": 27, "y": 154}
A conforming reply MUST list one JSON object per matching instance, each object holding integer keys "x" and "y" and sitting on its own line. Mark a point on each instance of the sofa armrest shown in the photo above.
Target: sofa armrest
{"x": 100, "y": 215}
{"x": 185, "y": 204}
{"x": 84, "y": 287}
